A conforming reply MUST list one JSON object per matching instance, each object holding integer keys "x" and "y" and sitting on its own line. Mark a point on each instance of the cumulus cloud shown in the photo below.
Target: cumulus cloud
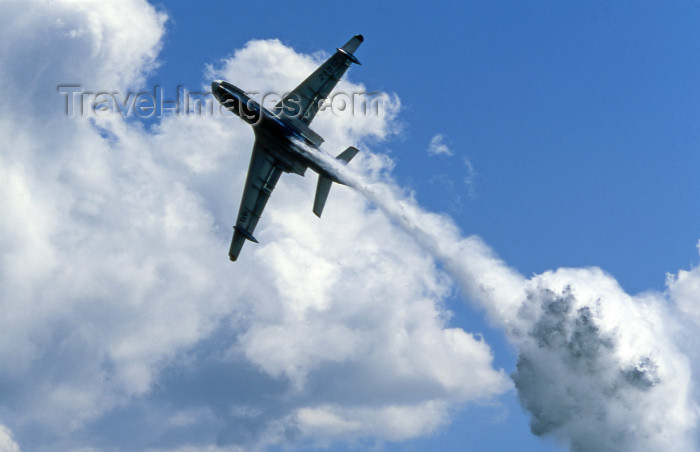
{"x": 100, "y": 45}
{"x": 118, "y": 297}
{"x": 599, "y": 369}
{"x": 120, "y": 307}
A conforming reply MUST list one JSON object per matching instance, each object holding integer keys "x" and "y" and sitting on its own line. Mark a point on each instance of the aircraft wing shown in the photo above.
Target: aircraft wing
{"x": 303, "y": 103}
{"x": 263, "y": 174}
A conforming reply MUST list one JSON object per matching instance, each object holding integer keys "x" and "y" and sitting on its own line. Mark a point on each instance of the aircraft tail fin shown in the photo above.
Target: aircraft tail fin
{"x": 324, "y": 182}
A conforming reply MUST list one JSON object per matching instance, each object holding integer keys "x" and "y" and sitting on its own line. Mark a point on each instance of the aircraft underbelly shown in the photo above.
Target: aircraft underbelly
{"x": 282, "y": 150}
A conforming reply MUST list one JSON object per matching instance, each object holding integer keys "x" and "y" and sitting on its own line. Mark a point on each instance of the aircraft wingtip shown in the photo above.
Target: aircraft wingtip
{"x": 360, "y": 37}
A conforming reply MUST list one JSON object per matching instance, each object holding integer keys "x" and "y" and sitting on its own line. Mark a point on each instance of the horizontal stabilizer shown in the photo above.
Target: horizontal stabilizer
{"x": 324, "y": 182}
{"x": 347, "y": 154}
{"x": 322, "y": 189}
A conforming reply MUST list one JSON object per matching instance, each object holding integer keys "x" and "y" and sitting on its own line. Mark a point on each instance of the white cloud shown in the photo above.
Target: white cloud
{"x": 593, "y": 361}
{"x": 438, "y": 147}
{"x": 7, "y": 443}
{"x": 684, "y": 290}
{"x": 470, "y": 178}
{"x": 100, "y": 45}
{"x": 121, "y": 308}
{"x": 393, "y": 422}
{"x": 597, "y": 368}
{"x": 117, "y": 288}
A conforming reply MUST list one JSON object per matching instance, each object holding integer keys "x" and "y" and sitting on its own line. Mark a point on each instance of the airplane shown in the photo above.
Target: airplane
{"x": 278, "y": 134}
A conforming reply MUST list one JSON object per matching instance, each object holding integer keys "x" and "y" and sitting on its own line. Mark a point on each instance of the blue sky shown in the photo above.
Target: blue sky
{"x": 549, "y": 254}
{"x": 588, "y": 111}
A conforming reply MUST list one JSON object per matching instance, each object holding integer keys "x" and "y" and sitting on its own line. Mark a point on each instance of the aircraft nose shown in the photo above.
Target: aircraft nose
{"x": 217, "y": 89}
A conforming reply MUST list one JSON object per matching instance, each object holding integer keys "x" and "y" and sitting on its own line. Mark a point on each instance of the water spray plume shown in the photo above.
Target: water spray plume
{"x": 597, "y": 368}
